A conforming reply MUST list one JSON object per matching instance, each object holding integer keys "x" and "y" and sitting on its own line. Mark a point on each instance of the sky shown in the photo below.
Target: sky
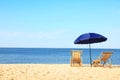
{"x": 57, "y": 23}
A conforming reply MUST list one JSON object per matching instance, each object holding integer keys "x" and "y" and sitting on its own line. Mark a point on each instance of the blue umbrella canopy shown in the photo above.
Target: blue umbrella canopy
{"x": 89, "y": 38}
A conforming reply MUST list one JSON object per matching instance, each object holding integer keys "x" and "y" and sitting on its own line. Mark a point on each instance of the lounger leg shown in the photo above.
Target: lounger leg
{"x": 71, "y": 62}
{"x": 110, "y": 64}
{"x": 104, "y": 63}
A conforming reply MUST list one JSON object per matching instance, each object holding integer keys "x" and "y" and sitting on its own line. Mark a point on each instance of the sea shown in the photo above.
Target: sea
{"x": 50, "y": 55}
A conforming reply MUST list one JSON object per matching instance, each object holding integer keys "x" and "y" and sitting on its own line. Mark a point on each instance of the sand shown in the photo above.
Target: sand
{"x": 56, "y": 72}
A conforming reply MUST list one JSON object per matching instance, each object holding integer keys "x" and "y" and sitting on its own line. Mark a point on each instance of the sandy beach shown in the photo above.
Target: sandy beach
{"x": 57, "y": 72}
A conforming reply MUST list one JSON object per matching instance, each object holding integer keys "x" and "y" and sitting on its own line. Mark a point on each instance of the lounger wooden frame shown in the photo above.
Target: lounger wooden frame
{"x": 103, "y": 59}
{"x": 75, "y": 59}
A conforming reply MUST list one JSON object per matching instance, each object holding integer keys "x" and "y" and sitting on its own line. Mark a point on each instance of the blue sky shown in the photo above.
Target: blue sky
{"x": 57, "y": 23}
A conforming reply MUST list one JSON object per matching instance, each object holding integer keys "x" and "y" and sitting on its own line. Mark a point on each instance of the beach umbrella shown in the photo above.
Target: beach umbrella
{"x": 89, "y": 38}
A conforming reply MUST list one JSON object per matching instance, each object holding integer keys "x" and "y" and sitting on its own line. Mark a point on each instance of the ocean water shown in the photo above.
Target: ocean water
{"x": 50, "y": 55}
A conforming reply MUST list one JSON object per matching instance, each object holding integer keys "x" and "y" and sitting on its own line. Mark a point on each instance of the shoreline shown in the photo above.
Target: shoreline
{"x": 57, "y": 72}
{"x": 83, "y": 65}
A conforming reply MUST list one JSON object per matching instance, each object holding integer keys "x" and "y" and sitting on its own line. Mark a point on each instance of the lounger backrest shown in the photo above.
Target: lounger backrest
{"x": 105, "y": 56}
{"x": 76, "y": 54}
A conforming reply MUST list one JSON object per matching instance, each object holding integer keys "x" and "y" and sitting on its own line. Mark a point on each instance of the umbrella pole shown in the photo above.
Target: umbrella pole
{"x": 90, "y": 55}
